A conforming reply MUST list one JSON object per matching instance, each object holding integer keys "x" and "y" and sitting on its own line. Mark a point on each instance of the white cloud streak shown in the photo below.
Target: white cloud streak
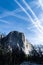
{"x": 14, "y": 13}
{"x": 7, "y": 13}
{"x": 38, "y": 38}
{"x": 37, "y": 22}
{"x": 28, "y": 15}
{"x": 20, "y": 17}
{"x": 3, "y": 21}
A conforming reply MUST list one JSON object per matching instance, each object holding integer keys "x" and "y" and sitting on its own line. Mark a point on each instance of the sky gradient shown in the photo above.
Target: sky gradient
{"x": 23, "y": 15}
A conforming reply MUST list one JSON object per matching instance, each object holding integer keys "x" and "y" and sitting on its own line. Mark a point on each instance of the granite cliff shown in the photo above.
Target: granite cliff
{"x": 14, "y": 47}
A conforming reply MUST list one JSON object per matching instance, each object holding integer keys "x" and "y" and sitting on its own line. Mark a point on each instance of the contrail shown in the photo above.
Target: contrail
{"x": 14, "y": 13}
{"x": 21, "y": 17}
{"x": 7, "y": 13}
{"x": 28, "y": 15}
{"x": 10, "y": 12}
{"x": 4, "y": 21}
{"x": 30, "y": 10}
{"x": 36, "y": 19}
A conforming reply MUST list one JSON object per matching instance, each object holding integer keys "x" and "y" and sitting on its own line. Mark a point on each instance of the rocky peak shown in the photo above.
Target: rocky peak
{"x": 16, "y": 40}
{"x": 16, "y": 47}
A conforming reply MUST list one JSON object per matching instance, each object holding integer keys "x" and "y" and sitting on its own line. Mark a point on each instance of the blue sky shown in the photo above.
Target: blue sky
{"x": 23, "y": 15}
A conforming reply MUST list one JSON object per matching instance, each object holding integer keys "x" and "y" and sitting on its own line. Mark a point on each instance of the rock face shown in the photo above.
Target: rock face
{"x": 28, "y": 47}
{"x": 16, "y": 46}
{"x": 15, "y": 40}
